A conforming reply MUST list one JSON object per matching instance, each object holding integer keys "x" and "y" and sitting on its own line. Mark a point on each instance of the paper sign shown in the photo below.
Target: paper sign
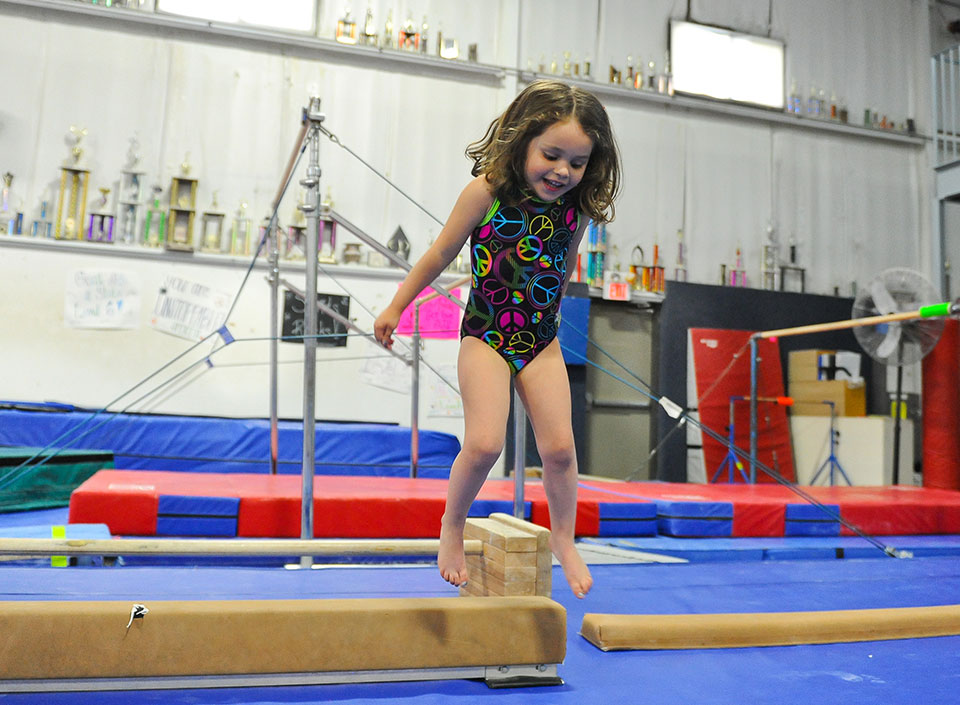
{"x": 439, "y": 317}
{"x": 189, "y": 309}
{"x": 101, "y": 298}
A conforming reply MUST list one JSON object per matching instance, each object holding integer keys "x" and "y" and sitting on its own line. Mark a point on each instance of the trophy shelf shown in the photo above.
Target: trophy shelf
{"x": 734, "y": 110}
{"x": 197, "y": 257}
{"x": 251, "y": 37}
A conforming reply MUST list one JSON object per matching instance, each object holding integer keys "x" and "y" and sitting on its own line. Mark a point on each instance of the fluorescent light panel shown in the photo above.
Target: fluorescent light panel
{"x": 295, "y": 15}
{"x": 726, "y": 65}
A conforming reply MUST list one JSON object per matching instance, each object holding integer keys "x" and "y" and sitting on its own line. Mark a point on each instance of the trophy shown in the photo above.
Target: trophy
{"x": 43, "y": 226}
{"x": 447, "y": 48}
{"x": 769, "y": 262}
{"x": 294, "y": 244}
{"x": 130, "y": 196}
{"x": 369, "y": 35}
{"x": 154, "y": 227}
{"x": 183, "y": 202}
{"x": 72, "y": 198}
{"x": 680, "y": 270}
{"x": 386, "y": 41}
{"x": 326, "y": 232}
{"x": 211, "y": 228}
{"x": 422, "y": 46}
{"x": 100, "y": 223}
{"x": 346, "y": 29}
{"x": 408, "y": 39}
{"x": 11, "y": 220}
{"x": 399, "y": 244}
{"x": 240, "y": 232}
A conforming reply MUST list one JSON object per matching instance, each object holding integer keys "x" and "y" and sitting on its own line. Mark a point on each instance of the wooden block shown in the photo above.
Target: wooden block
{"x": 544, "y": 578}
{"x": 477, "y": 565}
{"x": 500, "y": 535}
{"x": 493, "y": 554}
{"x": 491, "y": 585}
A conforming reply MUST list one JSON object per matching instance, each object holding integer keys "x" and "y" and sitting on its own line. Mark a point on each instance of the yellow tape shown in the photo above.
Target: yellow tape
{"x": 59, "y": 532}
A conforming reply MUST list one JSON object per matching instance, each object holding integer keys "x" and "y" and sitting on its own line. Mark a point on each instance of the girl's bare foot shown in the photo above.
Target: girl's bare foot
{"x": 574, "y": 568}
{"x": 450, "y": 557}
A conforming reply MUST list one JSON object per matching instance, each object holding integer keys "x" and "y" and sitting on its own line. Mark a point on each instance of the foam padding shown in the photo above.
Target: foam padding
{"x": 808, "y": 520}
{"x": 68, "y": 640}
{"x": 627, "y": 519}
{"x": 695, "y": 518}
{"x": 620, "y": 632}
{"x": 179, "y": 515}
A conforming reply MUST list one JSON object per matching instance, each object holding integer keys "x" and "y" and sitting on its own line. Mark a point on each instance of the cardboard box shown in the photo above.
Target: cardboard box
{"x": 804, "y": 365}
{"x": 849, "y": 398}
{"x": 809, "y": 366}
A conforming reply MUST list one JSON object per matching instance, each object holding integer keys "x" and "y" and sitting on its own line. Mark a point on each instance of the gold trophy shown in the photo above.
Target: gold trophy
{"x": 183, "y": 202}
{"x": 211, "y": 228}
{"x": 72, "y": 198}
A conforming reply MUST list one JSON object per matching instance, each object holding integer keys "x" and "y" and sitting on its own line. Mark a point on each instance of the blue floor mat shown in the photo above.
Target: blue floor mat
{"x": 891, "y": 672}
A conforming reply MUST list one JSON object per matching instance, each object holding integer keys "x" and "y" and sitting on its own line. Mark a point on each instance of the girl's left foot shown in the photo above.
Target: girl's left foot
{"x": 574, "y": 568}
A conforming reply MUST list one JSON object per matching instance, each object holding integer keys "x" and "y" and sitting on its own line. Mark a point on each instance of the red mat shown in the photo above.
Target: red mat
{"x": 390, "y": 507}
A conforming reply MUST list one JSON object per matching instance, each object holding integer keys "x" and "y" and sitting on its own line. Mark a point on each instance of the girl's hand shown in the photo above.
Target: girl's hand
{"x": 384, "y": 326}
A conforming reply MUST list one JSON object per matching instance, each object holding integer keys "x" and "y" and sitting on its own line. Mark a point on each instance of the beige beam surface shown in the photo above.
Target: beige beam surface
{"x": 226, "y": 547}
{"x": 72, "y": 640}
{"x": 618, "y": 632}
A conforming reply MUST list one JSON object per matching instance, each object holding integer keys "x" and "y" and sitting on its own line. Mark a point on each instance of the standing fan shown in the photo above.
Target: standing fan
{"x": 897, "y": 343}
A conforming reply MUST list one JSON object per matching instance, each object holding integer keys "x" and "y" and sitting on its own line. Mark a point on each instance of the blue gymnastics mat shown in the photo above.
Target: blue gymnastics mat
{"x": 889, "y": 672}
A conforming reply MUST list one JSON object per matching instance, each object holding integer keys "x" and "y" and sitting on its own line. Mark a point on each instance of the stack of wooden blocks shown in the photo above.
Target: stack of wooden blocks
{"x": 516, "y": 558}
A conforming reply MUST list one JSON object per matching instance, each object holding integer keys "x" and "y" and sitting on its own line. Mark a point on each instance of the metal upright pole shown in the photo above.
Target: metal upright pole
{"x": 311, "y": 208}
{"x": 519, "y": 454}
{"x": 753, "y": 410}
{"x": 274, "y": 279}
{"x": 415, "y": 393}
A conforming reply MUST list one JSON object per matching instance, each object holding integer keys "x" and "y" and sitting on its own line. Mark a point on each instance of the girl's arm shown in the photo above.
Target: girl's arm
{"x": 572, "y": 252}
{"x": 474, "y": 202}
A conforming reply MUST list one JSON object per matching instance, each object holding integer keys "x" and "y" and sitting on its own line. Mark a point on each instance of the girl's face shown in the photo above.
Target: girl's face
{"x": 557, "y": 159}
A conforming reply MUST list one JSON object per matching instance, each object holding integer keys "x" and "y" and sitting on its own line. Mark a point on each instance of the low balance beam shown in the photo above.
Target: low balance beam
{"x": 226, "y": 547}
{"x": 621, "y": 632}
{"x": 115, "y": 645}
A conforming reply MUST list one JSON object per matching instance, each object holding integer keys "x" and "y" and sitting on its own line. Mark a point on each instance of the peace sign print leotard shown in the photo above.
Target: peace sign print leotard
{"x": 518, "y": 256}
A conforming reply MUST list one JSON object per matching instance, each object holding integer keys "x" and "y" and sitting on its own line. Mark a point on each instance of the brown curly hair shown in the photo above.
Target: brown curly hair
{"x": 500, "y": 155}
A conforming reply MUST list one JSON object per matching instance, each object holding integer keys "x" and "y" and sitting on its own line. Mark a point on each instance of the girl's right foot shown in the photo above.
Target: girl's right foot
{"x": 450, "y": 558}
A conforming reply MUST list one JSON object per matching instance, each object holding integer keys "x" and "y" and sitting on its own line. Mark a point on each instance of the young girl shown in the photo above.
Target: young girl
{"x": 543, "y": 168}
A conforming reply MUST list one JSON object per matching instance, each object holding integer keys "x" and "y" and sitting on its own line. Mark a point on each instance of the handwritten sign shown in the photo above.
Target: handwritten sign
{"x": 188, "y": 309}
{"x": 439, "y": 317}
{"x": 101, "y": 298}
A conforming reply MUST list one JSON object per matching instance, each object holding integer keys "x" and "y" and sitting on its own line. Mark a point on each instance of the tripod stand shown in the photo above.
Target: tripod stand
{"x": 831, "y": 461}
{"x": 731, "y": 460}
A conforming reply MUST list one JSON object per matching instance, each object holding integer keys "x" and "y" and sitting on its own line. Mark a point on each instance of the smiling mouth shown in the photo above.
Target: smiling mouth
{"x": 555, "y": 185}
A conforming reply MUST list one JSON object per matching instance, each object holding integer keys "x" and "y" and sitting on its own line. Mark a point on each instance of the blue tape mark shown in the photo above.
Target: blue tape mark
{"x": 225, "y": 334}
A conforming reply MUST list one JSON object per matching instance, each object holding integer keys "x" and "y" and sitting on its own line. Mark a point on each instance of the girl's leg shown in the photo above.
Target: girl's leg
{"x": 485, "y": 390}
{"x": 545, "y": 390}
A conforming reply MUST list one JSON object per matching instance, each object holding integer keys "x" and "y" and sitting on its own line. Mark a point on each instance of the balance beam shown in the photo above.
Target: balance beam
{"x": 226, "y": 547}
{"x": 99, "y": 645}
{"x": 622, "y": 632}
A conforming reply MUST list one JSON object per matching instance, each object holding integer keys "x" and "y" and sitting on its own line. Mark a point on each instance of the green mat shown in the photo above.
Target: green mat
{"x": 50, "y": 483}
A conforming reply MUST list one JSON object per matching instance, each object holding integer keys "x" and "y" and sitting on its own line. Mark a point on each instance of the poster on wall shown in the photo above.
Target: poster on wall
{"x": 188, "y": 309}
{"x": 101, "y": 298}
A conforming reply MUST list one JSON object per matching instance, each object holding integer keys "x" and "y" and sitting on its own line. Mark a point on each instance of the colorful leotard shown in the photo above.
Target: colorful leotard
{"x": 518, "y": 256}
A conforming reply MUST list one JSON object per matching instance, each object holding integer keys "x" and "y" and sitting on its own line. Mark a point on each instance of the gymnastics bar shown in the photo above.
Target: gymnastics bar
{"x": 945, "y": 308}
{"x": 118, "y": 645}
{"x": 619, "y": 632}
{"x": 226, "y": 547}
